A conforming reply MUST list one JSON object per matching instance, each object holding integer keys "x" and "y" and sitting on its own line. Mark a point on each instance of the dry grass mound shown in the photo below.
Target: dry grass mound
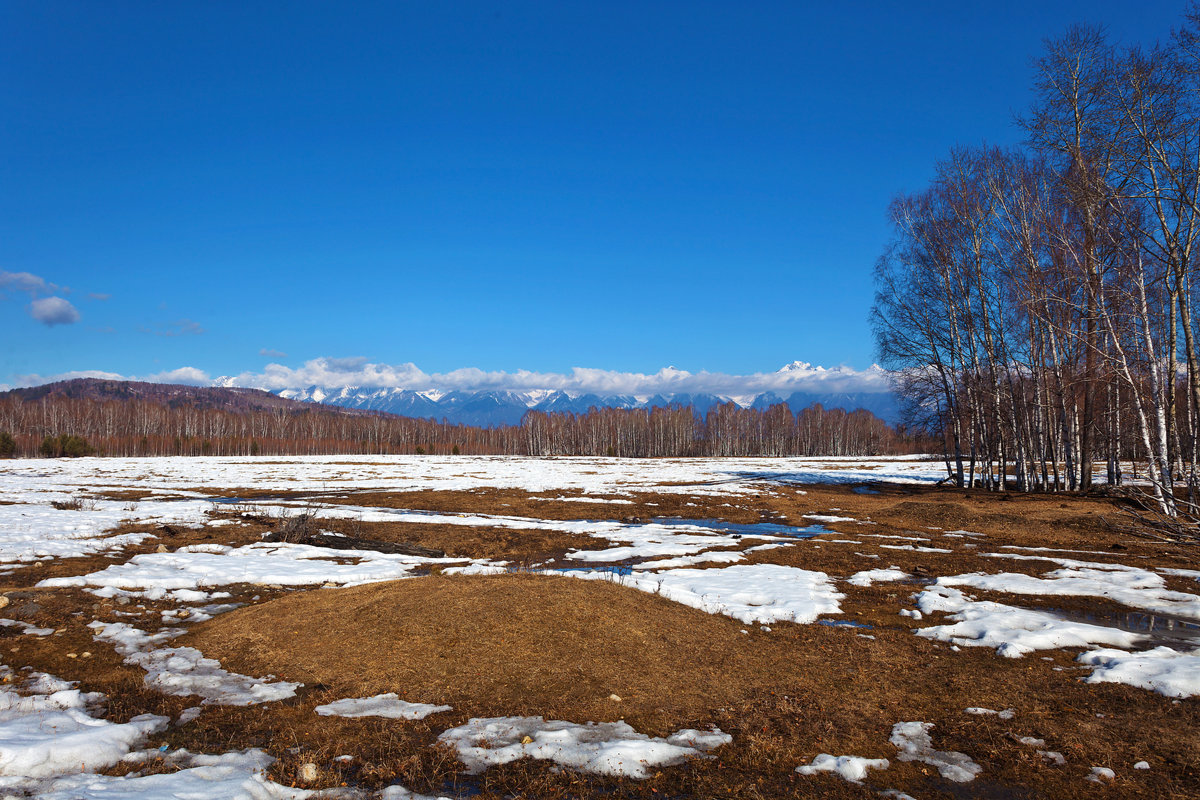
{"x": 507, "y": 644}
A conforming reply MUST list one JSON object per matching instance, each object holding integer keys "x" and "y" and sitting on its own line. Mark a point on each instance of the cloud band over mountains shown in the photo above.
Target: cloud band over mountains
{"x": 359, "y": 372}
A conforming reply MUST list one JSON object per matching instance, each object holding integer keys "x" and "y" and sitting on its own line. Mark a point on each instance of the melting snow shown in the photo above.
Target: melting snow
{"x": 239, "y": 776}
{"x": 1014, "y": 632}
{"x": 185, "y": 671}
{"x": 1163, "y": 670}
{"x": 913, "y": 741}
{"x": 261, "y": 563}
{"x": 852, "y": 768}
{"x": 381, "y": 705}
{"x": 1130, "y": 586}
{"x": 869, "y": 576}
{"x": 49, "y": 730}
{"x": 751, "y": 593}
{"x": 607, "y": 748}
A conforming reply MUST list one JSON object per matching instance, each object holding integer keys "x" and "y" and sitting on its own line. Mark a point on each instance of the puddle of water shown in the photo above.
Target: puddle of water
{"x": 614, "y": 570}
{"x": 844, "y": 623}
{"x": 235, "y": 501}
{"x": 1161, "y": 629}
{"x": 748, "y": 529}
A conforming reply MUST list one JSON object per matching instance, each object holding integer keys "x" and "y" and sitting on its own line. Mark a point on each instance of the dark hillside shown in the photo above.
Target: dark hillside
{"x": 174, "y": 395}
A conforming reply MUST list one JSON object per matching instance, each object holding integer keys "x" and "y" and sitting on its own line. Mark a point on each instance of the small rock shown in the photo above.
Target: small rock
{"x": 308, "y": 772}
{"x": 85, "y": 654}
{"x": 1142, "y": 765}
{"x": 4, "y": 601}
{"x": 72, "y": 655}
{"x": 615, "y": 698}
{"x": 162, "y": 548}
{"x": 527, "y": 740}
{"x": 183, "y": 613}
{"x": 329, "y": 585}
{"x": 38, "y": 565}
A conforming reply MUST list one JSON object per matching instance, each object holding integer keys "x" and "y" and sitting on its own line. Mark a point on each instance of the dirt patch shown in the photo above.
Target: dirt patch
{"x": 559, "y": 647}
{"x": 501, "y": 645}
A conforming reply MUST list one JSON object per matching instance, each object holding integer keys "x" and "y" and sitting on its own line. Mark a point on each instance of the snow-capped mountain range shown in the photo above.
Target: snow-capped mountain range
{"x": 473, "y": 397}
{"x": 492, "y": 408}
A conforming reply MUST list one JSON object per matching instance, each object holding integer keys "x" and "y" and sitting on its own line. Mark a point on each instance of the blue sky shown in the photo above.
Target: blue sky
{"x": 504, "y": 186}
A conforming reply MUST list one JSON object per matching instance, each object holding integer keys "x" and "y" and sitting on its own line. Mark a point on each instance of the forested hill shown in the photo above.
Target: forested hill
{"x": 172, "y": 395}
{"x": 121, "y": 418}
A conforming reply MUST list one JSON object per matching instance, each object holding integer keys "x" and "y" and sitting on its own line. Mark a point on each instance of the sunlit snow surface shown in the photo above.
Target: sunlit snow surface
{"x": 751, "y": 593}
{"x": 601, "y": 476}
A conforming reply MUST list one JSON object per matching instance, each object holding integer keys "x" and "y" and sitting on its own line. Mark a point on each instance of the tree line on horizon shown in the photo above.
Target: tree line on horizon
{"x": 56, "y": 426}
{"x": 1037, "y": 305}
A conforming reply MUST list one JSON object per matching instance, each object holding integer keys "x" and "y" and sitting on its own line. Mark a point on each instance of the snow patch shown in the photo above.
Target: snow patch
{"x": 1014, "y": 632}
{"x": 381, "y": 705}
{"x": 869, "y": 576}
{"x": 607, "y": 748}
{"x": 751, "y": 593}
{"x": 851, "y": 768}
{"x": 913, "y": 741}
{"x": 185, "y": 671}
{"x": 1163, "y": 670}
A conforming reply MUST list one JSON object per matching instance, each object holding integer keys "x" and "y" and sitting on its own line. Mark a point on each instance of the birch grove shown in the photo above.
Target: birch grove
{"x": 1036, "y": 305}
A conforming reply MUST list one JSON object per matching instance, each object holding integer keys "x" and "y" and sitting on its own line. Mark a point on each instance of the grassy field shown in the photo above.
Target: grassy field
{"x": 502, "y": 627}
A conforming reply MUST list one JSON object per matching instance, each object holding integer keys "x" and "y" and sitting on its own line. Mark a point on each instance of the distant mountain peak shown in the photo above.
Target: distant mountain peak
{"x": 493, "y": 407}
{"x": 800, "y": 366}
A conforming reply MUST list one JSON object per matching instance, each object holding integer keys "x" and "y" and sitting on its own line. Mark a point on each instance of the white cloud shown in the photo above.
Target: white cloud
{"x": 53, "y": 311}
{"x": 334, "y": 372}
{"x": 191, "y": 375}
{"x": 796, "y": 377}
{"x": 267, "y": 352}
{"x": 21, "y": 281}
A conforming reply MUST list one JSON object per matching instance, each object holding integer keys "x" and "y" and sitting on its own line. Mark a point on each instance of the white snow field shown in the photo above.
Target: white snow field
{"x": 54, "y": 737}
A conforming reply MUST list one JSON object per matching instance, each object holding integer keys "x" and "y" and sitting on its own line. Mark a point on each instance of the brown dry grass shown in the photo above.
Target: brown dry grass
{"x": 524, "y": 644}
{"x": 558, "y": 647}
